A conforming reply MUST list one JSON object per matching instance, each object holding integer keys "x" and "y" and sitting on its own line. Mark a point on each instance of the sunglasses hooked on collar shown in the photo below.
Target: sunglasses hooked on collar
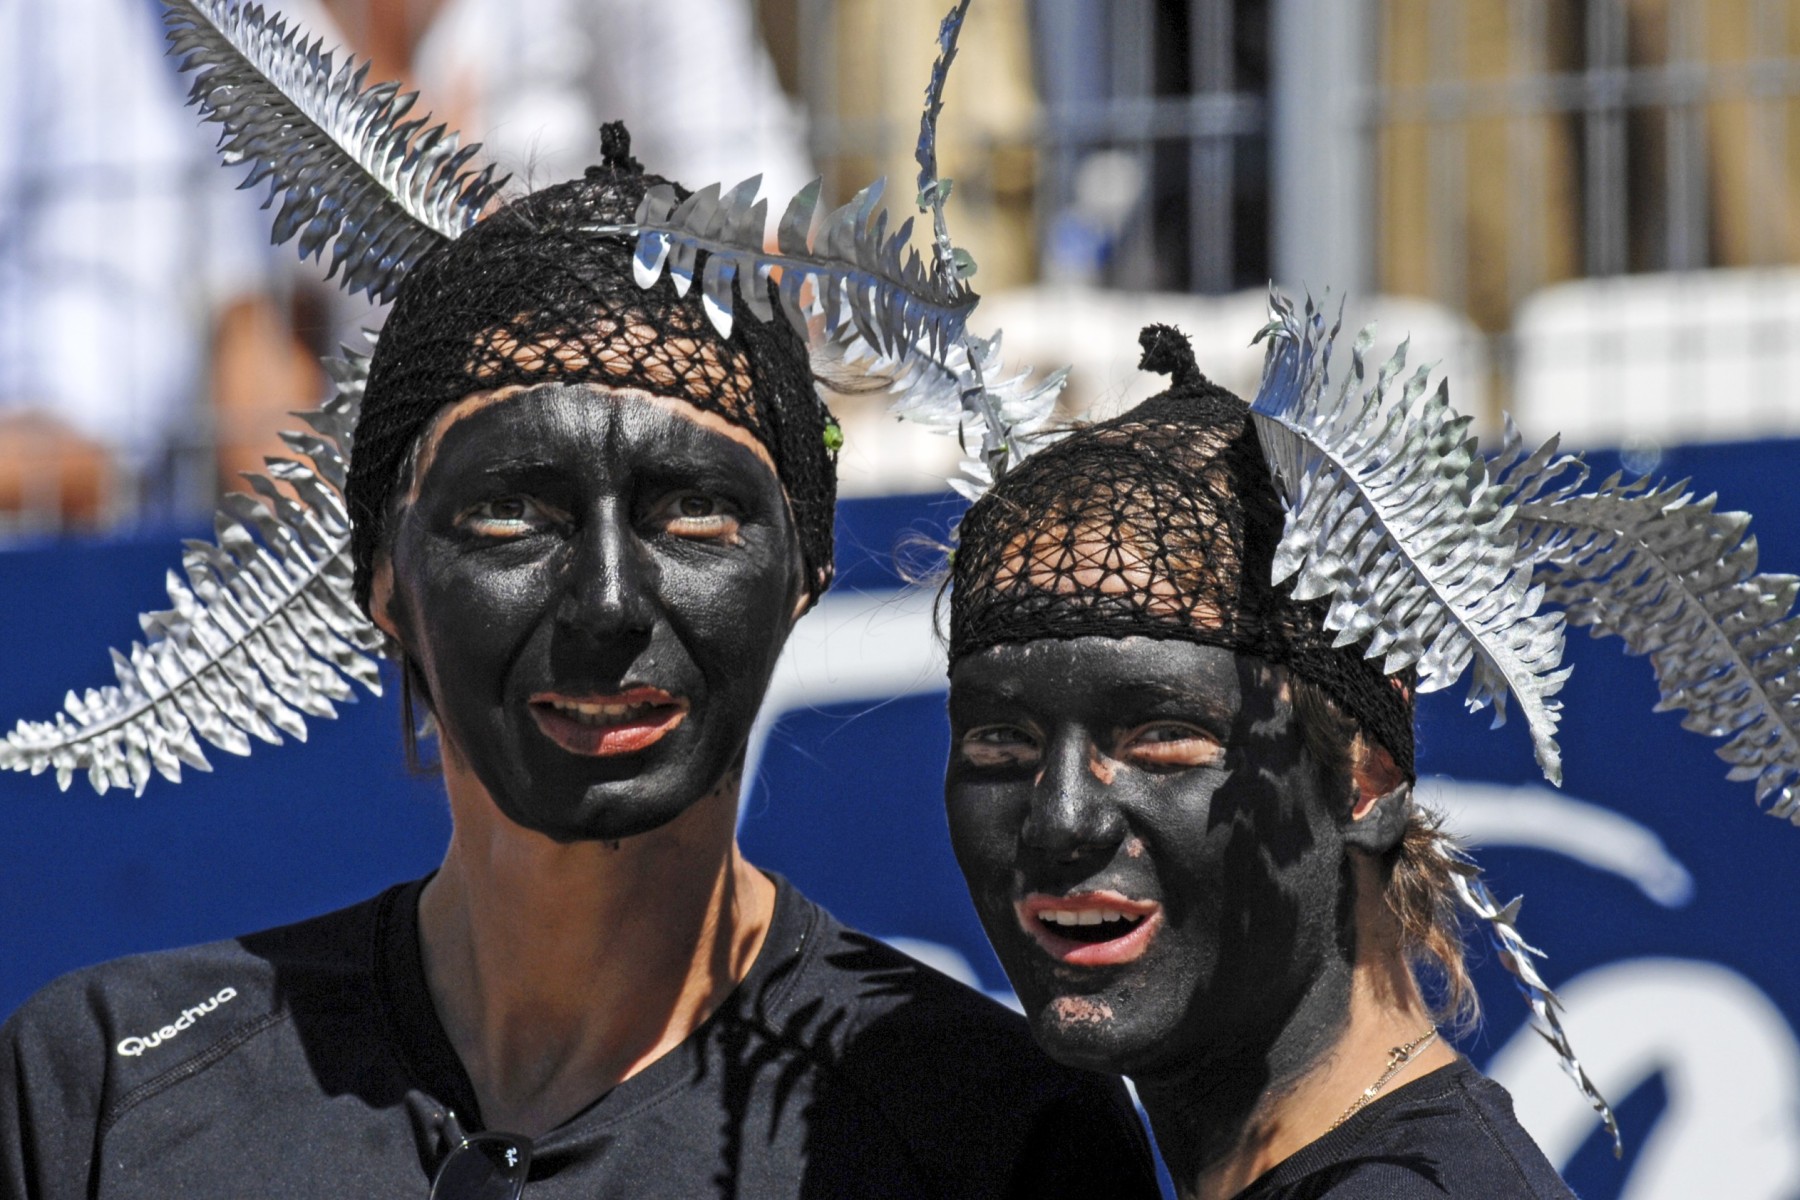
{"x": 482, "y": 1166}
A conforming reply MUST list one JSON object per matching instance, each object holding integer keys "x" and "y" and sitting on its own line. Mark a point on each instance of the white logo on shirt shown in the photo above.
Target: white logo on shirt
{"x": 131, "y": 1047}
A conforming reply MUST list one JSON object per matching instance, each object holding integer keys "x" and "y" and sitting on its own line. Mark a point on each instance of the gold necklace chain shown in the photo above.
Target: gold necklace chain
{"x": 1398, "y": 1057}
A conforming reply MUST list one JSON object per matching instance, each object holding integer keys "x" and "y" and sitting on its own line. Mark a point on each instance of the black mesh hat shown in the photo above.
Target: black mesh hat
{"x": 619, "y": 279}
{"x": 530, "y": 295}
{"x": 1161, "y": 523}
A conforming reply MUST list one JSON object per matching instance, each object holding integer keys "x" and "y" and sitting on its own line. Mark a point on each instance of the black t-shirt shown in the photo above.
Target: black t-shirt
{"x": 1449, "y": 1135}
{"x": 307, "y": 1061}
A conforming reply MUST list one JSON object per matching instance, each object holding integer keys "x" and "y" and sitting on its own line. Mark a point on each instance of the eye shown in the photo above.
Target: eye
{"x": 506, "y": 517}
{"x": 1171, "y": 744}
{"x": 696, "y": 515}
{"x": 999, "y": 746}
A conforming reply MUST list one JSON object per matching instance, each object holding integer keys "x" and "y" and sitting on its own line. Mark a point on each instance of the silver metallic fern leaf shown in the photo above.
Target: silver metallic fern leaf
{"x": 263, "y": 632}
{"x": 858, "y": 290}
{"x": 934, "y": 190}
{"x": 866, "y": 282}
{"x": 1392, "y": 519}
{"x": 1676, "y": 580}
{"x": 855, "y": 289}
{"x": 1517, "y": 955}
{"x": 346, "y": 159}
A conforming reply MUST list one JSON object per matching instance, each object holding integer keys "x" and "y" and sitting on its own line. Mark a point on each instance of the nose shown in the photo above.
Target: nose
{"x": 1074, "y": 812}
{"x": 606, "y": 592}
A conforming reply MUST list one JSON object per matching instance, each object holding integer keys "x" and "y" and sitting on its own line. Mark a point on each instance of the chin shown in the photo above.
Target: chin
{"x": 1107, "y": 1030}
{"x": 576, "y": 799}
{"x": 569, "y": 810}
{"x": 606, "y": 812}
{"x": 1079, "y": 1031}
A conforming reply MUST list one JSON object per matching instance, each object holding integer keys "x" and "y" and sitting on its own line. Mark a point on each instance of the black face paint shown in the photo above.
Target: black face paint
{"x": 1162, "y": 785}
{"x": 595, "y": 588}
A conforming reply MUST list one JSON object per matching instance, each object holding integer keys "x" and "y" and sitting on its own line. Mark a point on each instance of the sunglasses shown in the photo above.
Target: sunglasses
{"x": 487, "y": 1166}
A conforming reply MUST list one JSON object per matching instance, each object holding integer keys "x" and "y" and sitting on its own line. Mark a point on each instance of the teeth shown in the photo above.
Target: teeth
{"x": 1084, "y": 916}
{"x": 600, "y": 714}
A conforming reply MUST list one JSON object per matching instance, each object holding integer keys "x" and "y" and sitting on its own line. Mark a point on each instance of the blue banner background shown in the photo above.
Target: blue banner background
{"x": 846, "y": 803}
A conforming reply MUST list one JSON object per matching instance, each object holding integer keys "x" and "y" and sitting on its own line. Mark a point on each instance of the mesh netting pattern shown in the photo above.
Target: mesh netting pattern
{"x": 1163, "y": 523}
{"x": 529, "y": 297}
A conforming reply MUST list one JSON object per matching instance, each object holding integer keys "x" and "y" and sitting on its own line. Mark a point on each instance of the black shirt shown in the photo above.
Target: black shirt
{"x": 1450, "y": 1134}
{"x": 307, "y": 1061}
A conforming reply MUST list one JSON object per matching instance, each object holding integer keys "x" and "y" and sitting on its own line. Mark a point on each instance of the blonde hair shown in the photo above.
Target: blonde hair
{"x": 1416, "y": 873}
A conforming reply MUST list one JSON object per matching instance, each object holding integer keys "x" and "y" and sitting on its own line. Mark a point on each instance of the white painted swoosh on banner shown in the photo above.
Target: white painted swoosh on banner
{"x": 853, "y": 646}
{"x": 1496, "y": 814}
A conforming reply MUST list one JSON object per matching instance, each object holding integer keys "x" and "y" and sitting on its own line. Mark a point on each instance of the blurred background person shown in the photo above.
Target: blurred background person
{"x": 124, "y": 261}
{"x": 152, "y": 345}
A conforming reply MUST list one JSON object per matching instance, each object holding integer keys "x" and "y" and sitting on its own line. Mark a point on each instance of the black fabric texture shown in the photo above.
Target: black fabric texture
{"x": 1162, "y": 523}
{"x": 530, "y": 296}
{"x": 1451, "y": 1134}
{"x": 839, "y": 1067}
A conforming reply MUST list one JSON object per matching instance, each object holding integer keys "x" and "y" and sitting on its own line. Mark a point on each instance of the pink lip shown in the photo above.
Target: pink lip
{"x": 1123, "y": 949}
{"x": 630, "y": 735}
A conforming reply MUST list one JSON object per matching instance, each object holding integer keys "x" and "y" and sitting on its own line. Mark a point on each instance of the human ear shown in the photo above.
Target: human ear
{"x": 1383, "y": 799}
{"x": 806, "y": 597}
{"x": 381, "y": 596}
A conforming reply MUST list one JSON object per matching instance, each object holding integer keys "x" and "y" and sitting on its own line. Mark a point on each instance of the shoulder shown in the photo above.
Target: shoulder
{"x": 957, "y": 1077}
{"x": 1452, "y": 1133}
{"x": 886, "y": 1003}
{"x": 105, "y": 1034}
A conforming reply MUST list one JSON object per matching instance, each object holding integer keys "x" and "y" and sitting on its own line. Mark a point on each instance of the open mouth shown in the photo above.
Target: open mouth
{"x": 603, "y": 726}
{"x": 1090, "y": 929}
{"x": 1090, "y": 926}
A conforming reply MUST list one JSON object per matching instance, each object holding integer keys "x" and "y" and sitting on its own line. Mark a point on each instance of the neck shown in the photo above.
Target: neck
{"x": 1222, "y": 1125}
{"x": 559, "y": 971}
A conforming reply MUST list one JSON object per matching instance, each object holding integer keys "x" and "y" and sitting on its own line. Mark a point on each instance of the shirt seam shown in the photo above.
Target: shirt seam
{"x": 186, "y": 1070}
{"x": 767, "y": 1020}
{"x": 1506, "y": 1151}
{"x": 761, "y": 1019}
{"x": 804, "y": 954}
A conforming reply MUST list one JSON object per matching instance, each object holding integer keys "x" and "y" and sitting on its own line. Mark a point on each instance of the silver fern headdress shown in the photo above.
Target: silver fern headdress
{"x": 1404, "y": 560}
{"x": 267, "y": 625}
{"x": 1432, "y": 557}
{"x": 1429, "y": 556}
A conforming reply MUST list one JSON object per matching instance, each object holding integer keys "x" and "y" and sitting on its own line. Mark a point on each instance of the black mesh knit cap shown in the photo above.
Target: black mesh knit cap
{"x": 528, "y": 297}
{"x": 1161, "y": 523}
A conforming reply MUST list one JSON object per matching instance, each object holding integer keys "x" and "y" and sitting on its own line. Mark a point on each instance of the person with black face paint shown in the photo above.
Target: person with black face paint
{"x": 587, "y": 520}
{"x": 1186, "y": 821}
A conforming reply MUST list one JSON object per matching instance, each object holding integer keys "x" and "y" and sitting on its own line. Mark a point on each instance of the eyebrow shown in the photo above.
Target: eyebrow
{"x": 1155, "y": 692}
{"x": 1136, "y": 693}
{"x": 1011, "y": 691}
{"x": 425, "y": 452}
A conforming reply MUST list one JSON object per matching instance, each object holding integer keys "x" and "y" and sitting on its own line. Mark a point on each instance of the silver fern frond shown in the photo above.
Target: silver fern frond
{"x": 346, "y": 160}
{"x": 934, "y": 190}
{"x": 855, "y": 289}
{"x": 1517, "y": 955}
{"x": 263, "y": 631}
{"x": 863, "y": 282}
{"x": 1676, "y": 580}
{"x": 1392, "y": 519}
